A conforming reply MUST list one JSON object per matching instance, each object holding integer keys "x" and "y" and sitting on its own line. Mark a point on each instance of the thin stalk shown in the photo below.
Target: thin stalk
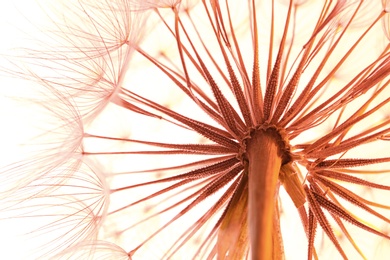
{"x": 265, "y": 161}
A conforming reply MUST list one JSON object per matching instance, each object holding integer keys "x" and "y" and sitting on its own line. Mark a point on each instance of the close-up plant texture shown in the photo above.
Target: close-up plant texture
{"x": 200, "y": 129}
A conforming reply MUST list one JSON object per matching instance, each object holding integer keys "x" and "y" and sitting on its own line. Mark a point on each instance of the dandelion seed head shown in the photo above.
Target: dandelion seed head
{"x": 262, "y": 98}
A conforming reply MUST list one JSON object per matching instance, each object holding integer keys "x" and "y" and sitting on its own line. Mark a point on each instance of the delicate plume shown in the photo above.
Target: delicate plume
{"x": 56, "y": 211}
{"x": 91, "y": 250}
{"x": 55, "y": 135}
{"x": 83, "y": 54}
{"x": 149, "y": 4}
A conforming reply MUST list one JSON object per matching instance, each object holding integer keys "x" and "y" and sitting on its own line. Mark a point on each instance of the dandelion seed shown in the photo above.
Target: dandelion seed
{"x": 94, "y": 250}
{"x": 56, "y": 211}
{"x": 55, "y": 135}
{"x": 85, "y": 54}
{"x": 270, "y": 104}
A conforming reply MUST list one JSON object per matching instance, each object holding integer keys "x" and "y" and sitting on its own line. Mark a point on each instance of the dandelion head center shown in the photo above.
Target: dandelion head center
{"x": 273, "y": 132}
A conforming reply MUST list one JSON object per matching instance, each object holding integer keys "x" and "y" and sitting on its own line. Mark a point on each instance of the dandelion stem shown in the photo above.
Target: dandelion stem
{"x": 265, "y": 161}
